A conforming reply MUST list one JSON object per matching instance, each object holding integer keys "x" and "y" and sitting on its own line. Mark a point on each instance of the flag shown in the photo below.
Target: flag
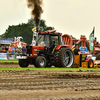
{"x": 91, "y": 40}
{"x": 34, "y": 31}
{"x": 34, "y": 36}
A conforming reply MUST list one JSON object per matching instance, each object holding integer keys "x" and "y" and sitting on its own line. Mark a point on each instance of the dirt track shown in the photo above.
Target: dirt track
{"x": 49, "y": 85}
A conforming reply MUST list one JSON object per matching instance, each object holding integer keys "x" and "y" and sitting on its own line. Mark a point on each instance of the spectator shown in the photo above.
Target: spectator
{"x": 23, "y": 49}
{"x": 16, "y": 49}
{"x": 95, "y": 40}
{"x": 2, "y": 49}
{"x": 13, "y": 50}
{"x": 10, "y": 49}
{"x": 20, "y": 49}
{"x": 6, "y": 48}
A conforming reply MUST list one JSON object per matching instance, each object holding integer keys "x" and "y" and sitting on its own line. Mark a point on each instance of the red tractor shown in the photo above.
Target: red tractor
{"x": 49, "y": 50}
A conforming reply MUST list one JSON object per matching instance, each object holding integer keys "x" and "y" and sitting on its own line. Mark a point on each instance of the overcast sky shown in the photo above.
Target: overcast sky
{"x": 74, "y": 17}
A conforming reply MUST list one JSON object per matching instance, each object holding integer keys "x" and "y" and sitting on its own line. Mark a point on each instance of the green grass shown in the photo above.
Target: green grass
{"x": 52, "y": 69}
{"x": 55, "y": 69}
{"x": 8, "y": 61}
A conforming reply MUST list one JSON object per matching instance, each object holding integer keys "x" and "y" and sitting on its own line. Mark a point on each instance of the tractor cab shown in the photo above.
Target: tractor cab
{"x": 49, "y": 39}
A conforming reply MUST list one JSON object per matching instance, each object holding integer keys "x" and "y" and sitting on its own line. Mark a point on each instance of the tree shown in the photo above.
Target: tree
{"x": 25, "y": 30}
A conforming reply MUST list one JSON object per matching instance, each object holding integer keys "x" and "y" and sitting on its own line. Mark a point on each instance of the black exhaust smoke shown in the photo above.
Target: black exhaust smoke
{"x": 37, "y": 10}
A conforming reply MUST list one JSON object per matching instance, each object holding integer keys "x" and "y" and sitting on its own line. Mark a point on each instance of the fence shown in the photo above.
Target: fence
{"x": 9, "y": 56}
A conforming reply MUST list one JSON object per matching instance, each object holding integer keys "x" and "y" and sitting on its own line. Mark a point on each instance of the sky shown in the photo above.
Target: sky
{"x": 73, "y": 17}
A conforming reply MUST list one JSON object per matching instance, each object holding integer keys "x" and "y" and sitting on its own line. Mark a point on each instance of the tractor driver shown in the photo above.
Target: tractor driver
{"x": 76, "y": 50}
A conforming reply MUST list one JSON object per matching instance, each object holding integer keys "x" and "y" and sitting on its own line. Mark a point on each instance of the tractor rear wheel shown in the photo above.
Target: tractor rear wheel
{"x": 40, "y": 62}
{"x": 23, "y": 63}
{"x": 64, "y": 58}
{"x": 90, "y": 63}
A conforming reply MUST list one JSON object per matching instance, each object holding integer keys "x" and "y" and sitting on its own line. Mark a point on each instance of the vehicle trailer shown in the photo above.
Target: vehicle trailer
{"x": 49, "y": 50}
{"x": 83, "y": 60}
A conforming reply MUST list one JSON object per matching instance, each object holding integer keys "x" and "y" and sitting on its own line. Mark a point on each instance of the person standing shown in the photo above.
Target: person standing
{"x": 23, "y": 50}
{"x": 76, "y": 50}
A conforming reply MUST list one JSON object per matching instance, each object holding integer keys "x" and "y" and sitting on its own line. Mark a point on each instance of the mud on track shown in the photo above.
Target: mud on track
{"x": 49, "y": 85}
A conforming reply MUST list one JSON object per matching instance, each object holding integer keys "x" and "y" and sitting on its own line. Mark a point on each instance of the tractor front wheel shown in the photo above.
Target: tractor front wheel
{"x": 23, "y": 63}
{"x": 40, "y": 62}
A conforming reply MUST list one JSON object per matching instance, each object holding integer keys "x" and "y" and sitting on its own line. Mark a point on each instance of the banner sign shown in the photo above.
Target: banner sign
{"x": 3, "y": 56}
{"x": 6, "y": 41}
{"x": 8, "y": 56}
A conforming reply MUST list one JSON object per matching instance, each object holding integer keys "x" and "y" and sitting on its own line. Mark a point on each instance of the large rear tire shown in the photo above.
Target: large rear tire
{"x": 23, "y": 63}
{"x": 40, "y": 62}
{"x": 64, "y": 58}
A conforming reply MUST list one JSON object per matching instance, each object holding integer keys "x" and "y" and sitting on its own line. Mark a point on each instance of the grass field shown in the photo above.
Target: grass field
{"x": 8, "y": 61}
{"x": 55, "y": 69}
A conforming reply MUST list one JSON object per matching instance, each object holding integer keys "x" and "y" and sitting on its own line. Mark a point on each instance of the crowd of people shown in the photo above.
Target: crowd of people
{"x": 12, "y": 49}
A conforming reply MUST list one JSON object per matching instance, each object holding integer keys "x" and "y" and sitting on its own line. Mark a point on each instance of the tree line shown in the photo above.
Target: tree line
{"x": 25, "y": 30}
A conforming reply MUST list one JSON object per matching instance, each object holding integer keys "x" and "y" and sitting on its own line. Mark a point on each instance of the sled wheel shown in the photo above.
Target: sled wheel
{"x": 90, "y": 63}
